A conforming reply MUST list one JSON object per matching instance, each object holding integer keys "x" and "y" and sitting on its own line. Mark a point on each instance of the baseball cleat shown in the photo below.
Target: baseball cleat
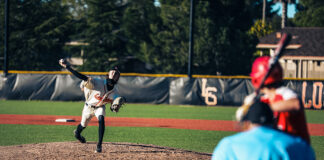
{"x": 99, "y": 149}
{"x": 79, "y": 137}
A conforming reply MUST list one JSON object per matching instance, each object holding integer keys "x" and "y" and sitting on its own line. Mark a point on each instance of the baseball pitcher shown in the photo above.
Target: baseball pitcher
{"x": 97, "y": 92}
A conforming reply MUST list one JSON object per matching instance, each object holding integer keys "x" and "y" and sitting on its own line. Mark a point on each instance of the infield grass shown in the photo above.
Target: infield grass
{"x": 195, "y": 140}
{"x": 129, "y": 110}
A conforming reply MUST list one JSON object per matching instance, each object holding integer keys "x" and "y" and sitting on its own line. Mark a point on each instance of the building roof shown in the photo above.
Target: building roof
{"x": 306, "y": 41}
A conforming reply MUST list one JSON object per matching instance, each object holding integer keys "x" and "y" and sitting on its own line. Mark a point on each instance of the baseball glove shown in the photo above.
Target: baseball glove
{"x": 117, "y": 104}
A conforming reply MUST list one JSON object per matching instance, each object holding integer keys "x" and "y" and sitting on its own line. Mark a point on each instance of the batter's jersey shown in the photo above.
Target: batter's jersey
{"x": 96, "y": 92}
{"x": 293, "y": 122}
{"x": 263, "y": 143}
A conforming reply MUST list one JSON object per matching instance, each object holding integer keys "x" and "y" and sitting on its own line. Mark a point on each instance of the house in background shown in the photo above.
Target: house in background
{"x": 304, "y": 56}
{"x": 131, "y": 64}
{"x": 77, "y": 61}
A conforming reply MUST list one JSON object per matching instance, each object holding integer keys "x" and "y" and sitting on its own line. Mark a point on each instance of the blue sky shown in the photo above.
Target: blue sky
{"x": 291, "y": 9}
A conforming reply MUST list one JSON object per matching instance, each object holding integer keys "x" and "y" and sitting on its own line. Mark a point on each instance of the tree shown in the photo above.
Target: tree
{"x": 104, "y": 35}
{"x": 310, "y": 14}
{"x": 137, "y": 18}
{"x": 38, "y": 31}
{"x": 264, "y": 7}
{"x": 77, "y": 8}
{"x": 222, "y": 42}
{"x": 261, "y": 29}
{"x": 78, "y": 11}
{"x": 235, "y": 45}
{"x": 169, "y": 48}
{"x": 267, "y": 10}
{"x": 284, "y": 8}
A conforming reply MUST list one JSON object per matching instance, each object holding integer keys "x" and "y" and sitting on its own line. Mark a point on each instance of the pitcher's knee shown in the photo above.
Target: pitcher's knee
{"x": 101, "y": 119}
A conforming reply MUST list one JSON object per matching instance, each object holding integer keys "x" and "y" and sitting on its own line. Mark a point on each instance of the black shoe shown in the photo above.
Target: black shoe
{"x": 79, "y": 137}
{"x": 99, "y": 149}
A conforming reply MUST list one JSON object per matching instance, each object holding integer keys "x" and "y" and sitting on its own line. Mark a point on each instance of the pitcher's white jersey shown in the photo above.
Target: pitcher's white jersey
{"x": 96, "y": 92}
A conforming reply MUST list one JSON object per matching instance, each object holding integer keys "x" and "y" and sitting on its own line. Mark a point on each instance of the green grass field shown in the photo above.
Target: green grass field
{"x": 195, "y": 140}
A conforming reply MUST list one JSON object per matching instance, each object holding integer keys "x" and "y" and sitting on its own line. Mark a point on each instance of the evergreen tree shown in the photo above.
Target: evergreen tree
{"x": 168, "y": 52}
{"x": 78, "y": 10}
{"x": 38, "y": 31}
{"x": 104, "y": 35}
{"x": 222, "y": 42}
{"x": 310, "y": 13}
{"x": 138, "y": 16}
{"x": 235, "y": 46}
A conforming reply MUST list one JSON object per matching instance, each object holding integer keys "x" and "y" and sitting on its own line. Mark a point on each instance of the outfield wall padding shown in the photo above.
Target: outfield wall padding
{"x": 155, "y": 90}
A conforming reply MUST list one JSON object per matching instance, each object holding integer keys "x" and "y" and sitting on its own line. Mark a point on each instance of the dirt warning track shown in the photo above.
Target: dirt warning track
{"x": 211, "y": 125}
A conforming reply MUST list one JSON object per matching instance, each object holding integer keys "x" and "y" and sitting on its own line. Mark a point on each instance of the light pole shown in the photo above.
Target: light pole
{"x": 6, "y": 35}
{"x": 191, "y": 37}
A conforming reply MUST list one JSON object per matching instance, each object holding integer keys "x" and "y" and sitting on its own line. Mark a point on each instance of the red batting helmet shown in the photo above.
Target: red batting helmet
{"x": 260, "y": 68}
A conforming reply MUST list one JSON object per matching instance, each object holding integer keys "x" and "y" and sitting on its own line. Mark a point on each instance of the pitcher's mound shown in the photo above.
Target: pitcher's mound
{"x": 110, "y": 150}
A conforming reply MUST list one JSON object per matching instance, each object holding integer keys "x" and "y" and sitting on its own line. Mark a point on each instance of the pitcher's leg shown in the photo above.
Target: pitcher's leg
{"x": 77, "y": 133}
{"x": 100, "y": 114}
{"x": 86, "y": 117}
{"x": 101, "y": 132}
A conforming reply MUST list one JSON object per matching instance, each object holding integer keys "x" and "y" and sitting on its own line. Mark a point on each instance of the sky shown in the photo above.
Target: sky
{"x": 291, "y": 9}
{"x": 157, "y": 3}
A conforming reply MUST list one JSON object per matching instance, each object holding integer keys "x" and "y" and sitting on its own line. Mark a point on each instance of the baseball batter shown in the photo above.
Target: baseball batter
{"x": 287, "y": 107}
{"x": 97, "y": 92}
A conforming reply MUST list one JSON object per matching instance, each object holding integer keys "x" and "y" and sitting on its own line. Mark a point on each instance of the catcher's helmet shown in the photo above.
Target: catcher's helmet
{"x": 260, "y": 68}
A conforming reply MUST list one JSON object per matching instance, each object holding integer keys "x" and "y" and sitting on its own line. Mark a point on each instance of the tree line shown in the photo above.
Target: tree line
{"x": 146, "y": 36}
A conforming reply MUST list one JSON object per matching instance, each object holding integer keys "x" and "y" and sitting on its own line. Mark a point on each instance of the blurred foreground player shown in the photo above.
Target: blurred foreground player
{"x": 98, "y": 92}
{"x": 287, "y": 107}
{"x": 260, "y": 141}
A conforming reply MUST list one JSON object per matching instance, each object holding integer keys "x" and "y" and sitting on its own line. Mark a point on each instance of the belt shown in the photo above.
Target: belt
{"x": 91, "y": 106}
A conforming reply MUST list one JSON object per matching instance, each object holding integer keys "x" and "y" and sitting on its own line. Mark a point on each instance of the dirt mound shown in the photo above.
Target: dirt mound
{"x": 111, "y": 150}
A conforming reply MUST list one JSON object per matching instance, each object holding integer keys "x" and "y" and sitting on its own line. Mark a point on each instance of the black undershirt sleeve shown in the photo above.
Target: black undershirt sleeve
{"x": 77, "y": 74}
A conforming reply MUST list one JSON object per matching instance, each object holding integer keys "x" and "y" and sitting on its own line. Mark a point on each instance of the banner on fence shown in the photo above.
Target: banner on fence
{"x": 157, "y": 90}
